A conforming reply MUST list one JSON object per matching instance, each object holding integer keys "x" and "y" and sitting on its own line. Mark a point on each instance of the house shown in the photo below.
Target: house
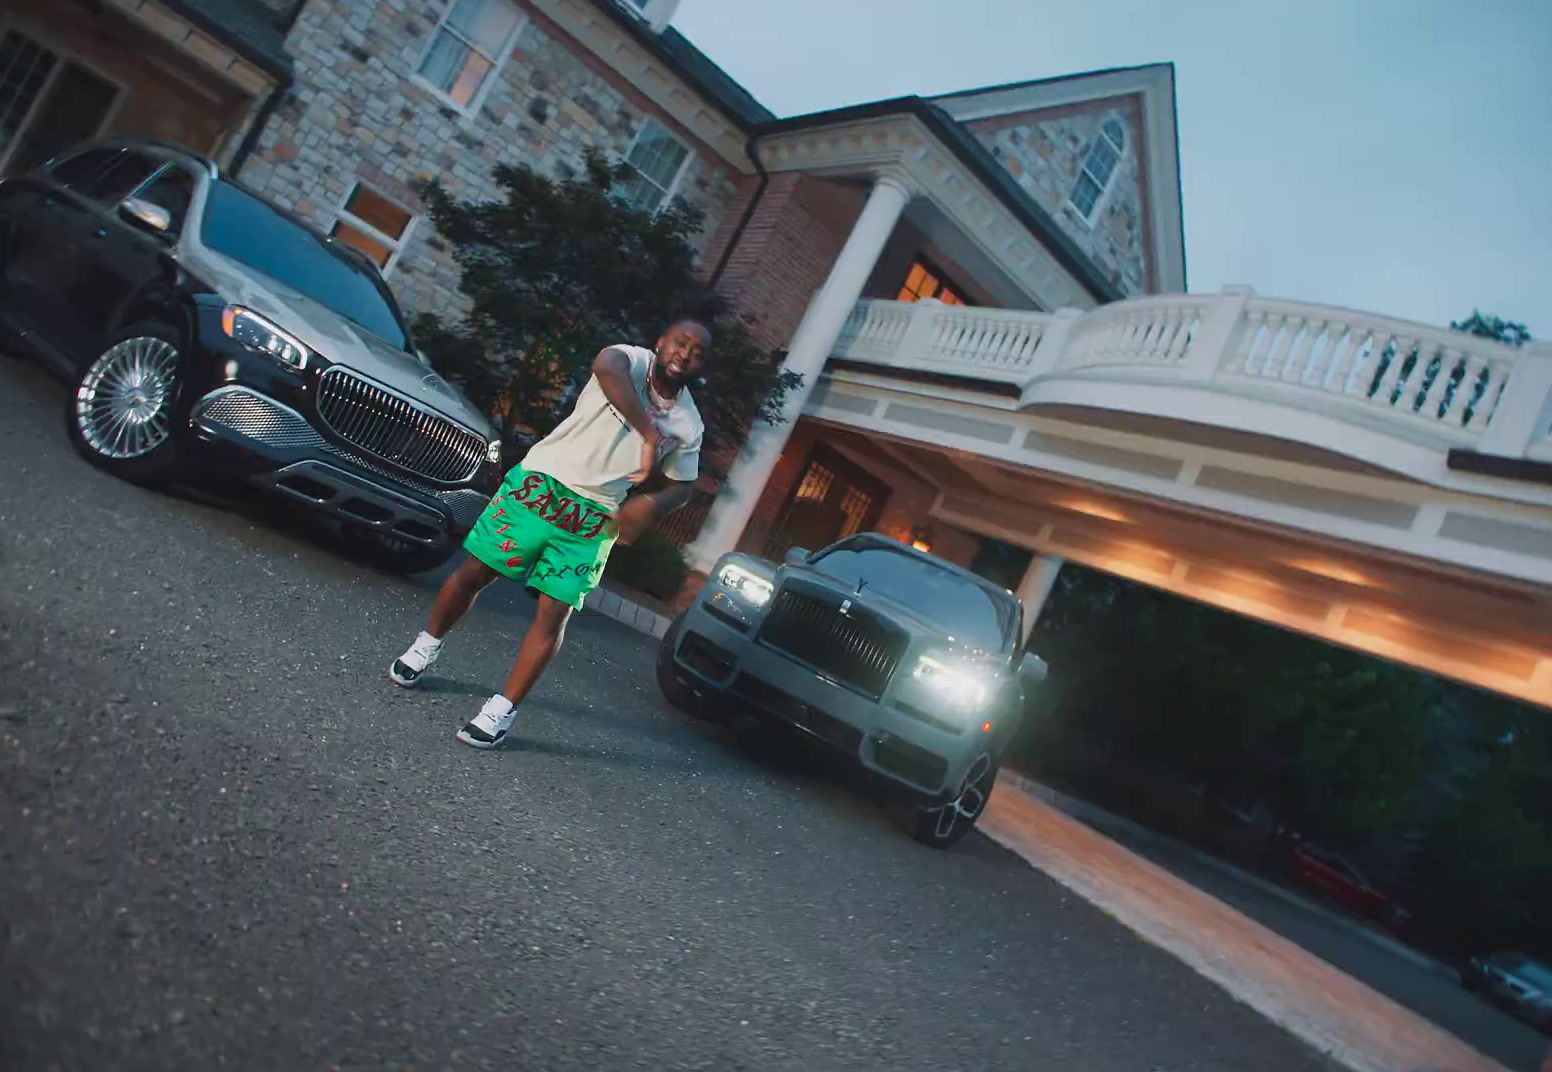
{"x": 985, "y": 292}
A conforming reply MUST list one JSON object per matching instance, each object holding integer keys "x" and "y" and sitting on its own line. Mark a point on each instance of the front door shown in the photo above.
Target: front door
{"x": 834, "y": 498}
{"x": 47, "y": 103}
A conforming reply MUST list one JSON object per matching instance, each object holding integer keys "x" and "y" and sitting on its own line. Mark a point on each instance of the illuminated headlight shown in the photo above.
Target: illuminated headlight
{"x": 750, "y": 587}
{"x": 960, "y": 686}
{"x": 493, "y": 452}
{"x": 261, "y": 336}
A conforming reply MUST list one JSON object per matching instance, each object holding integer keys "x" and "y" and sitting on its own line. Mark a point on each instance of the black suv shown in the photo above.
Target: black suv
{"x": 202, "y": 324}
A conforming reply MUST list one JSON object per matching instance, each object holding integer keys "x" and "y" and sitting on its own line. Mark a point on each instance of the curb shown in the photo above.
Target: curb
{"x": 631, "y": 615}
{"x": 1103, "y": 820}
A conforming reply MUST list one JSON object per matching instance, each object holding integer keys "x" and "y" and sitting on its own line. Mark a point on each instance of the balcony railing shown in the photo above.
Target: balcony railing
{"x": 1446, "y": 387}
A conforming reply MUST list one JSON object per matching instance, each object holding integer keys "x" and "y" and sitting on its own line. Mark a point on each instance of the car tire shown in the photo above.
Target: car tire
{"x": 124, "y": 414}
{"x": 674, "y": 688}
{"x": 391, "y": 554}
{"x": 943, "y": 826}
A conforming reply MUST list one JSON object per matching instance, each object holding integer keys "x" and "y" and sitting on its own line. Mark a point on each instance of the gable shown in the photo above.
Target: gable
{"x": 1042, "y": 133}
{"x": 1045, "y": 151}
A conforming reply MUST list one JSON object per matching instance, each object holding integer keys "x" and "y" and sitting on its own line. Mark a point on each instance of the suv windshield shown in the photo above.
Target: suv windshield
{"x": 965, "y": 610}
{"x": 246, "y": 229}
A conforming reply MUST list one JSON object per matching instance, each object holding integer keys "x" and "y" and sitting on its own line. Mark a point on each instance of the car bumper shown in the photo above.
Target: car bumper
{"x": 270, "y": 444}
{"x": 718, "y": 654}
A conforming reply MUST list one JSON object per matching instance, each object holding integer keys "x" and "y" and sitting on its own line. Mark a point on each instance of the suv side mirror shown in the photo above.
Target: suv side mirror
{"x": 1032, "y": 668}
{"x": 148, "y": 217}
{"x": 797, "y": 556}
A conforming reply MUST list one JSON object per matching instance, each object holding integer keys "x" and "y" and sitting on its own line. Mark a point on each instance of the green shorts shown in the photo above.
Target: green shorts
{"x": 538, "y": 532}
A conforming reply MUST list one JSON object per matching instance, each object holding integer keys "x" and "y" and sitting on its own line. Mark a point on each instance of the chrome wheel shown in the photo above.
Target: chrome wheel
{"x": 123, "y": 407}
{"x": 958, "y": 815}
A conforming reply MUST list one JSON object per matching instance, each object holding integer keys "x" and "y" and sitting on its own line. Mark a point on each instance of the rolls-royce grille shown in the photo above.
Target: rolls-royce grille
{"x": 396, "y": 429}
{"x": 854, "y": 648}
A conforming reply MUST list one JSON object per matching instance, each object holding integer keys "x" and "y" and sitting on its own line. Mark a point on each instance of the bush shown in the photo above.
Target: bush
{"x": 653, "y": 564}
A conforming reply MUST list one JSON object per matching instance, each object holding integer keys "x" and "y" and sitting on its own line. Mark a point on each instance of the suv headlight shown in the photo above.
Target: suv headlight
{"x": 493, "y": 452}
{"x": 746, "y": 584}
{"x": 962, "y": 686}
{"x": 262, "y": 336}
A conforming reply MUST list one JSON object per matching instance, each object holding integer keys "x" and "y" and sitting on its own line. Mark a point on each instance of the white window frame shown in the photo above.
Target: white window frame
{"x": 498, "y": 62}
{"x": 342, "y": 214}
{"x": 1088, "y": 219}
{"x": 672, "y": 189}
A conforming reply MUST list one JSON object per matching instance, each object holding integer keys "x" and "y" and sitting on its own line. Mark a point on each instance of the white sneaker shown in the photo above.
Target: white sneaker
{"x": 407, "y": 668}
{"x": 489, "y": 728}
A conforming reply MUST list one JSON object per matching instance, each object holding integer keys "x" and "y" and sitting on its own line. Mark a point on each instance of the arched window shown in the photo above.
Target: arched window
{"x": 1099, "y": 167}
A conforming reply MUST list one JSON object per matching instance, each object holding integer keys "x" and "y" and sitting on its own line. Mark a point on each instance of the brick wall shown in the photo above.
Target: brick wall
{"x": 1044, "y": 151}
{"x": 786, "y": 250}
{"x": 357, "y": 113}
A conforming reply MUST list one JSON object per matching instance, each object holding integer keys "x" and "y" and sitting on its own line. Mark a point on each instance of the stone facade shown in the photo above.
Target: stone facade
{"x": 1044, "y": 151}
{"x": 358, "y": 113}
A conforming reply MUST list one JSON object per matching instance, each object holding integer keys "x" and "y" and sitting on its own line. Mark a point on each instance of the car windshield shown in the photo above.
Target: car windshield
{"x": 965, "y": 610}
{"x": 254, "y": 233}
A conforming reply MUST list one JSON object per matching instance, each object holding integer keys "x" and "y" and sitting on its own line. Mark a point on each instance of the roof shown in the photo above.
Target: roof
{"x": 695, "y": 67}
{"x": 739, "y": 105}
{"x": 245, "y": 26}
{"x": 979, "y": 160}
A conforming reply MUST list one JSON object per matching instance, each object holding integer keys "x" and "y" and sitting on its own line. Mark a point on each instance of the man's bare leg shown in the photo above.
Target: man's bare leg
{"x": 540, "y": 643}
{"x": 457, "y": 595}
{"x": 543, "y": 639}
{"x": 453, "y": 601}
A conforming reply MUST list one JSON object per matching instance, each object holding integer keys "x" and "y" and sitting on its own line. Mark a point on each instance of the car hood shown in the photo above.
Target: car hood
{"x": 336, "y": 339}
{"x": 905, "y": 616}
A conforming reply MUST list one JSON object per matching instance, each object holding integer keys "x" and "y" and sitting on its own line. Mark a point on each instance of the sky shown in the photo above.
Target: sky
{"x": 1393, "y": 156}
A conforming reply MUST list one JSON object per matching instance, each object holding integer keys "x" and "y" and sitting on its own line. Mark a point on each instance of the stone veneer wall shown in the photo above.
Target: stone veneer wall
{"x": 357, "y": 113}
{"x": 1044, "y": 151}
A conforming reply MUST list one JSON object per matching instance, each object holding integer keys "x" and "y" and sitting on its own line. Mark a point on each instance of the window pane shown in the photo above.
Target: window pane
{"x": 455, "y": 68}
{"x": 1085, "y": 194}
{"x": 948, "y": 297}
{"x": 375, "y": 248}
{"x": 120, "y": 179}
{"x": 373, "y": 208}
{"x": 1102, "y": 161}
{"x": 24, "y": 65}
{"x": 637, "y": 192}
{"x": 485, "y": 23}
{"x": 1115, "y": 132}
{"x": 657, "y": 154}
{"x": 172, "y": 190}
{"x": 82, "y": 167}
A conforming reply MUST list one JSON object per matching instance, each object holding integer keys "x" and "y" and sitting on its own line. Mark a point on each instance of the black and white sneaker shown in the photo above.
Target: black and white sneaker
{"x": 407, "y": 668}
{"x": 489, "y": 728}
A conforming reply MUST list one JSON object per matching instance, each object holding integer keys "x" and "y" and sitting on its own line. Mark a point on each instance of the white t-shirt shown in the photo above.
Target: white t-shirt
{"x": 593, "y": 451}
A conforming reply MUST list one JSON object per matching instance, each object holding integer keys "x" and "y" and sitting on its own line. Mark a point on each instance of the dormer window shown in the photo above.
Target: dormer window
{"x": 1099, "y": 169}
{"x": 655, "y": 13}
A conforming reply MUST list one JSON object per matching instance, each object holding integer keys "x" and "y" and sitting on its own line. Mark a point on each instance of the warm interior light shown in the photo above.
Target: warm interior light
{"x": 1094, "y": 509}
{"x": 1331, "y": 571}
{"x": 986, "y": 727}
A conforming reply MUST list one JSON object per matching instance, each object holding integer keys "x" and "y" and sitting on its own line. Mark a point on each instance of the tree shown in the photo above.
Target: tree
{"x": 1485, "y": 326}
{"x": 557, "y": 269}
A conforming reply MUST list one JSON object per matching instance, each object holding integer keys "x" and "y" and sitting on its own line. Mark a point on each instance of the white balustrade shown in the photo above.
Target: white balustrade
{"x": 1373, "y": 370}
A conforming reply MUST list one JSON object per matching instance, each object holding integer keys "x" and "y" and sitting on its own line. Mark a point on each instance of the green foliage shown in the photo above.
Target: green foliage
{"x": 1446, "y": 789}
{"x": 653, "y": 564}
{"x": 1487, "y": 326}
{"x": 556, "y": 270}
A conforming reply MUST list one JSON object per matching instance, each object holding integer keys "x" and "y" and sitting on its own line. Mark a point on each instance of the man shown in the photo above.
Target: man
{"x": 558, "y": 513}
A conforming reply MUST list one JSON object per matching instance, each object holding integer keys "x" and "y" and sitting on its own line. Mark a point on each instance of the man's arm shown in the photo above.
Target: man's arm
{"x": 612, "y": 369}
{"x": 642, "y": 509}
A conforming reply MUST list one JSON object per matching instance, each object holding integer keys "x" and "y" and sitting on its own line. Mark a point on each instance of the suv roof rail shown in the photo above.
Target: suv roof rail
{"x": 184, "y": 151}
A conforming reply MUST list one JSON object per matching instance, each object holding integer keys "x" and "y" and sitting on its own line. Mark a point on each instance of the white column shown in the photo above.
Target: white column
{"x": 1036, "y": 587}
{"x": 811, "y": 347}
